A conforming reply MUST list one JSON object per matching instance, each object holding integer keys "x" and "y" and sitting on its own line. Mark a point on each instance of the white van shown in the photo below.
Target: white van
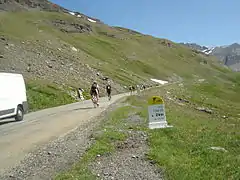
{"x": 13, "y": 99}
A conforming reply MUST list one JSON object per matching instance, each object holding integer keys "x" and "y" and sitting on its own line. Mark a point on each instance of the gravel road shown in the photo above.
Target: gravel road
{"x": 129, "y": 162}
{"x": 48, "y": 141}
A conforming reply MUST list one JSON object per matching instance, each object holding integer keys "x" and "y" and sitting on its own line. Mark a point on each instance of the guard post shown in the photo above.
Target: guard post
{"x": 156, "y": 113}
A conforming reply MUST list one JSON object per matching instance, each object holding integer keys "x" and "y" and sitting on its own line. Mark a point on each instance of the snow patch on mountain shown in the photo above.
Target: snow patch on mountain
{"x": 159, "y": 81}
{"x": 91, "y": 20}
{"x": 72, "y": 13}
{"x": 209, "y": 50}
{"x": 76, "y": 14}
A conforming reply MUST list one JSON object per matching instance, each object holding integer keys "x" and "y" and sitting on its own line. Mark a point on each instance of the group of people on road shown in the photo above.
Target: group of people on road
{"x": 94, "y": 91}
{"x": 138, "y": 88}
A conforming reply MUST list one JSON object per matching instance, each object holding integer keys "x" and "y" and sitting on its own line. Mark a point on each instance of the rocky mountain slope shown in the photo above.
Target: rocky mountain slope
{"x": 195, "y": 46}
{"x": 228, "y": 55}
{"x": 17, "y": 5}
{"x": 51, "y": 45}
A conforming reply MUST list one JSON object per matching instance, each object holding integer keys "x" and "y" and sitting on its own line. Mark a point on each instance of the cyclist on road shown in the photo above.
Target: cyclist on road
{"x": 95, "y": 93}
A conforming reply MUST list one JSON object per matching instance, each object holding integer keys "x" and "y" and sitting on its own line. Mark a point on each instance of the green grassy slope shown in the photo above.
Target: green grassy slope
{"x": 41, "y": 96}
{"x": 183, "y": 151}
{"x": 125, "y": 56}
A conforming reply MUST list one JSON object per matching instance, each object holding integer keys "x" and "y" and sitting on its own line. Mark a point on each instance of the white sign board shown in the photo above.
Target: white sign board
{"x": 156, "y": 113}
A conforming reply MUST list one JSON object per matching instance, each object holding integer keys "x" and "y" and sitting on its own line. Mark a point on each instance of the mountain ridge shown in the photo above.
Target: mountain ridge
{"x": 229, "y": 55}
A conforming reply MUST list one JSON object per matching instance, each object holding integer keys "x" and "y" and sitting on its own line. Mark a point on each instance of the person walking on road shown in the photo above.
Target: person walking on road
{"x": 144, "y": 87}
{"x": 138, "y": 89}
{"x": 109, "y": 90}
{"x": 131, "y": 89}
{"x": 80, "y": 93}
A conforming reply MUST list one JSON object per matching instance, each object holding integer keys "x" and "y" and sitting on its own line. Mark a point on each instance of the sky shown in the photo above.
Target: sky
{"x": 205, "y": 22}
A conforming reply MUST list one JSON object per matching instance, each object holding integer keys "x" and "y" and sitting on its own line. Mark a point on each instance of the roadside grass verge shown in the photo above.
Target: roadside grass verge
{"x": 41, "y": 96}
{"x": 108, "y": 134}
{"x": 184, "y": 151}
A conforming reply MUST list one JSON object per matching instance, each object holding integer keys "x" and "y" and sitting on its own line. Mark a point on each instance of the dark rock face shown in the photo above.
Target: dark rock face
{"x": 71, "y": 27}
{"x": 229, "y": 55}
{"x": 195, "y": 46}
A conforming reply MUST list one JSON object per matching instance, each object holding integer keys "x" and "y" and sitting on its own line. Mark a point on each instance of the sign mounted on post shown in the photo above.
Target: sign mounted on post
{"x": 156, "y": 113}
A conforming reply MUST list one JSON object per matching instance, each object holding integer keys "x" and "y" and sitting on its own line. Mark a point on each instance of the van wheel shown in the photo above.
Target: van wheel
{"x": 19, "y": 115}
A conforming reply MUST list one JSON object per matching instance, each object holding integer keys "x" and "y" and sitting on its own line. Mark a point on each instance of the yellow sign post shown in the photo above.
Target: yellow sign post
{"x": 155, "y": 100}
{"x": 156, "y": 113}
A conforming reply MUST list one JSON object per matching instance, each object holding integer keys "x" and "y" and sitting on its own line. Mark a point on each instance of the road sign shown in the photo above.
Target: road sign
{"x": 156, "y": 113}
